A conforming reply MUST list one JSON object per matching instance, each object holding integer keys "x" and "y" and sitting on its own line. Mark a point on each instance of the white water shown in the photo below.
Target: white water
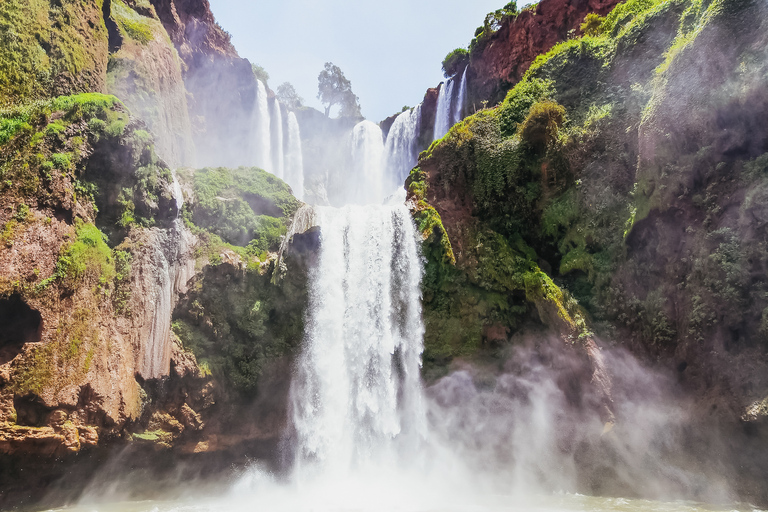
{"x": 400, "y": 150}
{"x": 277, "y": 150}
{"x": 458, "y": 111}
{"x": 170, "y": 265}
{"x": 356, "y": 397}
{"x": 294, "y": 161}
{"x": 444, "y": 114}
{"x": 364, "y": 182}
{"x": 262, "y": 143}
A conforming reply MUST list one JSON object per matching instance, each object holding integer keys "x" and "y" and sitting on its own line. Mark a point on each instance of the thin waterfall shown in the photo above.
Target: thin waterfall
{"x": 356, "y": 397}
{"x": 458, "y": 111}
{"x": 366, "y": 184}
{"x": 261, "y": 124}
{"x": 400, "y": 150}
{"x": 171, "y": 266}
{"x": 443, "y": 114}
{"x": 278, "y": 149}
{"x": 294, "y": 160}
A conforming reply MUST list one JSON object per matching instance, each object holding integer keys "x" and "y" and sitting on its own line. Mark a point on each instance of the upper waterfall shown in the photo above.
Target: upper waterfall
{"x": 261, "y": 127}
{"x": 277, "y": 160}
{"x": 400, "y": 150}
{"x": 443, "y": 114}
{"x": 458, "y": 110}
{"x": 366, "y": 183}
{"x": 294, "y": 159}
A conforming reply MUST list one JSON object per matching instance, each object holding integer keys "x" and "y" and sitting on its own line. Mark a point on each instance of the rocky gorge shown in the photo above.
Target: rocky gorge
{"x": 592, "y": 228}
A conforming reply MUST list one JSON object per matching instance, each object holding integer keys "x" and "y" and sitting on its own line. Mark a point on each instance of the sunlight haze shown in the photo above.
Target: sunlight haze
{"x": 391, "y": 52}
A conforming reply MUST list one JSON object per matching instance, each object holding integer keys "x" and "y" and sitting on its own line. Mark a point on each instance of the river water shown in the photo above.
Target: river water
{"x": 291, "y": 500}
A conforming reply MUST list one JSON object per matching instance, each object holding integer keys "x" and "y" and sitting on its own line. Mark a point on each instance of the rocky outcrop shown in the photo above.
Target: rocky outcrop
{"x": 506, "y": 54}
{"x": 221, "y": 121}
{"x": 145, "y": 72}
{"x": 642, "y": 217}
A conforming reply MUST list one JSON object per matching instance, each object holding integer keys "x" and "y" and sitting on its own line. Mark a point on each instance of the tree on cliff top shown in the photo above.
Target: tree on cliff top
{"x": 288, "y": 96}
{"x": 334, "y": 89}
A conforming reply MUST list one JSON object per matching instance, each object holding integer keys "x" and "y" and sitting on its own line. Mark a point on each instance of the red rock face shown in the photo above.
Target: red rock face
{"x": 513, "y": 48}
{"x": 192, "y": 28}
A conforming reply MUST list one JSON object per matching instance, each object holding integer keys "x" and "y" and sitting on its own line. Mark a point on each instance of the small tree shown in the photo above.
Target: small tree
{"x": 288, "y": 96}
{"x": 455, "y": 62}
{"x": 260, "y": 73}
{"x": 334, "y": 89}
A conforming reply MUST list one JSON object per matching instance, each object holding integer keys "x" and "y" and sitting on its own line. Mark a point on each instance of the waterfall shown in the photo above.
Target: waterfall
{"x": 365, "y": 184}
{"x": 164, "y": 266}
{"x": 443, "y": 114}
{"x": 261, "y": 127}
{"x": 400, "y": 151}
{"x": 356, "y": 397}
{"x": 294, "y": 161}
{"x": 277, "y": 150}
{"x": 458, "y": 111}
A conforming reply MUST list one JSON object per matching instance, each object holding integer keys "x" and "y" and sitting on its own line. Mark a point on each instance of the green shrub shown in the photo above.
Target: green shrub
{"x": 243, "y": 204}
{"x": 455, "y": 62}
{"x": 87, "y": 258}
{"x": 519, "y": 100}
{"x": 593, "y": 25}
{"x": 542, "y": 125}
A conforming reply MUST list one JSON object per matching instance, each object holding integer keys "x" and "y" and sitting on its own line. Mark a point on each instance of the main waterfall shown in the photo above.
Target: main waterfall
{"x": 356, "y": 395}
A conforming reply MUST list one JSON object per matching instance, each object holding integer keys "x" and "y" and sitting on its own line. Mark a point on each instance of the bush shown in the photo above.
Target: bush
{"x": 542, "y": 125}
{"x": 455, "y": 61}
{"x": 519, "y": 101}
{"x": 593, "y": 25}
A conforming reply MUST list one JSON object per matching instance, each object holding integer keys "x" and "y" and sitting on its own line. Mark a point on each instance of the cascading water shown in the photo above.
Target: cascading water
{"x": 356, "y": 396}
{"x": 365, "y": 183}
{"x": 171, "y": 267}
{"x": 443, "y": 114}
{"x": 458, "y": 111}
{"x": 277, "y": 150}
{"x": 400, "y": 149}
{"x": 261, "y": 127}
{"x": 294, "y": 161}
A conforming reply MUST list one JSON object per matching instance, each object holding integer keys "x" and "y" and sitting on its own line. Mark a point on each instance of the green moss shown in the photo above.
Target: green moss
{"x": 43, "y": 45}
{"x": 238, "y": 326}
{"x": 244, "y": 206}
{"x": 131, "y": 24}
{"x": 87, "y": 258}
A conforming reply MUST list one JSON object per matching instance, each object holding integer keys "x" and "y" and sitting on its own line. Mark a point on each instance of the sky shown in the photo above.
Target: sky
{"x": 390, "y": 50}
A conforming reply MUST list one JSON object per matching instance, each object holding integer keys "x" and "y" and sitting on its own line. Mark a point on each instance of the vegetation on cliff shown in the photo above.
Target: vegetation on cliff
{"x": 70, "y": 164}
{"x": 49, "y": 49}
{"x": 607, "y": 165}
{"x": 235, "y": 318}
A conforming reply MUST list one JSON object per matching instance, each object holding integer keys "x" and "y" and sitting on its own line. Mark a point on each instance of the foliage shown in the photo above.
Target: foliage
{"x": 491, "y": 24}
{"x": 238, "y": 328}
{"x": 542, "y": 125}
{"x": 50, "y": 48}
{"x": 593, "y": 24}
{"x": 243, "y": 205}
{"x": 335, "y": 89}
{"x": 520, "y": 99}
{"x": 288, "y": 96}
{"x": 260, "y": 73}
{"x": 455, "y": 61}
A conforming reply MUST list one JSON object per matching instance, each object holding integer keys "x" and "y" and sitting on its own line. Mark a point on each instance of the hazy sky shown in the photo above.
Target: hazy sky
{"x": 390, "y": 50}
